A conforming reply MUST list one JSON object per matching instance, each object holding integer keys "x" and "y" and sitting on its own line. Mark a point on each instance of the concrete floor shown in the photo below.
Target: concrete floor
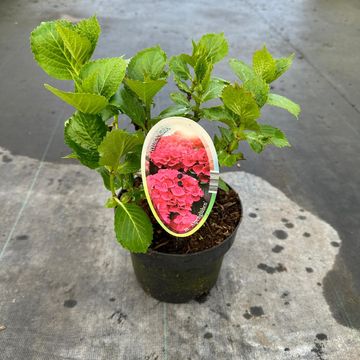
{"x": 319, "y": 173}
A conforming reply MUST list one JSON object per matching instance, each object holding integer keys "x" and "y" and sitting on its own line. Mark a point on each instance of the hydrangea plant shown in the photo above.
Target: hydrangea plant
{"x": 112, "y": 88}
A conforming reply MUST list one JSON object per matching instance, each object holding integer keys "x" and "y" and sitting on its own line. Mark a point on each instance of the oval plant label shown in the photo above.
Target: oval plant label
{"x": 180, "y": 173}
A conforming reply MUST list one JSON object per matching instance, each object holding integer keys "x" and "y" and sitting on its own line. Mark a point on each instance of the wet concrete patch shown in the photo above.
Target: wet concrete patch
{"x": 272, "y": 269}
{"x": 280, "y": 234}
{"x": 277, "y": 249}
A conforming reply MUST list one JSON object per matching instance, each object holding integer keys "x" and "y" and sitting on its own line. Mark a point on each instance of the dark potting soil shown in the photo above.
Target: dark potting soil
{"x": 220, "y": 224}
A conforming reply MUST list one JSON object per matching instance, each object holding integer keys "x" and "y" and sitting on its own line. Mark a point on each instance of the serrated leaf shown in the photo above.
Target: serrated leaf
{"x": 259, "y": 89}
{"x": 214, "y": 89}
{"x": 132, "y": 162}
{"x": 214, "y": 47}
{"x": 264, "y": 64}
{"x": 174, "y": 110}
{"x": 130, "y": 105}
{"x": 241, "y": 102}
{"x": 108, "y": 112}
{"x": 133, "y": 228}
{"x": 226, "y": 159}
{"x": 203, "y": 69}
{"x": 77, "y": 45}
{"x": 103, "y": 76}
{"x": 147, "y": 64}
{"x": 267, "y": 135}
{"x": 282, "y": 65}
{"x": 49, "y": 51}
{"x": 182, "y": 85}
{"x": 90, "y": 28}
{"x": 86, "y": 103}
{"x": 242, "y": 71}
{"x": 219, "y": 113}
{"x": 284, "y": 103}
{"x": 145, "y": 90}
{"x": 83, "y": 133}
{"x": 180, "y": 99}
{"x": 274, "y": 136}
{"x": 116, "y": 145}
{"x": 179, "y": 67}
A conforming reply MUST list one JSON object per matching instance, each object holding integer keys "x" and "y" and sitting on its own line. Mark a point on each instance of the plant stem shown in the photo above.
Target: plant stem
{"x": 148, "y": 116}
{"x": 196, "y": 111}
{"x": 112, "y": 184}
{"x": 115, "y": 123}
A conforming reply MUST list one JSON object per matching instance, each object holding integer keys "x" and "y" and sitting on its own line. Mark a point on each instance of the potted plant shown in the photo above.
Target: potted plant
{"x": 170, "y": 268}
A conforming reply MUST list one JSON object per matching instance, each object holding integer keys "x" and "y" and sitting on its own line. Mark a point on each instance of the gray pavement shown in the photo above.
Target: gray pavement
{"x": 59, "y": 264}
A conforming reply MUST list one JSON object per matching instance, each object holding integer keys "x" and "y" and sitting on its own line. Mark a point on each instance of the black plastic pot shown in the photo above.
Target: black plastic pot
{"x": 179, "y": 278}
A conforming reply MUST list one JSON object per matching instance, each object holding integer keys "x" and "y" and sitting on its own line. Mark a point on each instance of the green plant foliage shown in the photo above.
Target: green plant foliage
{"x": 102, "y": 76}
{"x": 133, "y": 228}
{"x": 264, "y": 65}
{"x": 129, "y": 105}
{"x": 105, "y": 174}
{"x": 84, "y": 102}
{"x": 83, "y": 133}
{"x": 284, "y": 103}
{"x": 240, "y": 102}
{"x": 116, "y": 145}
{"x": 267, "y": 135}
{"x": 212, "y": 47}
{"x": 147, "y": 64}
{"x": 241, "y": 70}
{"x": 106, "y": 90}
{"x": 61, "y": 48}
{"x": 145, "y": 90}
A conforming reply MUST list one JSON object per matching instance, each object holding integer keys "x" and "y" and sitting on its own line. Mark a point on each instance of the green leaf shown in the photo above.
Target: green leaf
{"x": 89, "y": 28}
{"x": 83, "y": 134}
{"x": 145, "y": 90}
{"x": 105, "y": 174}
{"x": 214, "y": 89}
{"x": 180, "y": 99}
{"x": 264, "y": 64}
{"x": 284, "y": 103}
{"x": 282, "y": 65}
{"x": 108, "y": 112}
{"x": 103, "y": 76}
{"x": 147, "y": 64}
{"x": 214, "y": 47}
{"x": 203, "y": 69}
{"x": 267, "y": 135}
{"x": 241, "y": 102}
{"x": 132, "y": 162}
{"x": 49, "y": 51}
{"x": 274, "y": 136}
{"x": 179, "y": 67}
{"x": 223, "y": 185}
{"x": 116, "y": 145}
{"x": 226, "y": 159}
{"x": 219, "y": 113}
{"x": 242, "y": 71}
{"x": 86, "y": 103}
{"x": 174, "y": 110}
{"x": 133, "y": 228}
{"x": 182, "y": 85}
{"x": 110, "y": 203}
{"x": 77, "y": 45}
{"x": 259, "y": 89}
{"x": 130, "y": 105}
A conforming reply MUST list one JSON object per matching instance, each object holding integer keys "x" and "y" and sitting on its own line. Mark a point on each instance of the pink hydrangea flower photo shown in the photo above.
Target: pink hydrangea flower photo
{"x": 178, "y": 178}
